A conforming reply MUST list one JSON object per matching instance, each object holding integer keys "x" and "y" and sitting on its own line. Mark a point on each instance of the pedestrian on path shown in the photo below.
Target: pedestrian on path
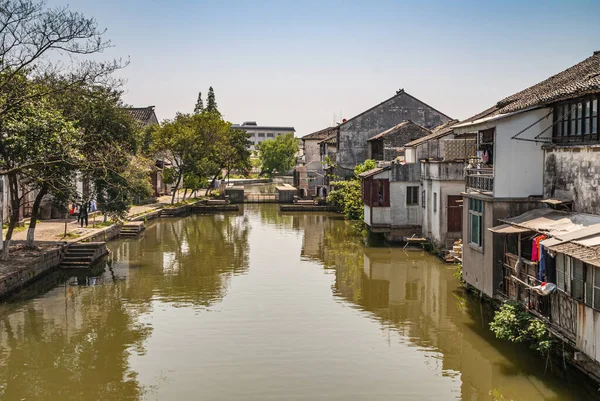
{"x": 83, "y": 214}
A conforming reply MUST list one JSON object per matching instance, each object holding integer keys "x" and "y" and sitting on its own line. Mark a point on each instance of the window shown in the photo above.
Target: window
{"x": 578, "y": 280}
{"x": 412, "y": 195}
{"x": 434, "y": 202}
{"x": 376, "y": 193}
{"x": 576, "y": 121}
{"x": 261, "y": 134}
{"x": 270, "y": 135}
{"x": 423, "y": 198}
{"x": 476, "y": 222}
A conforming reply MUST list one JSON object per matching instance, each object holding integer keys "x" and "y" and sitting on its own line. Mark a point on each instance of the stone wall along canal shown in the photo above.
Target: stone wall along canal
{"x": 262, "y": 306}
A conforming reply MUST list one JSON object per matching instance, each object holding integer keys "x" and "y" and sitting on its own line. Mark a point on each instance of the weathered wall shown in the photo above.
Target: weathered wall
{"x": 353, "y": 135}
{"x": 398, "y": 139}
{"x": 574, "y": 173}
{"x": 312, "y": 154}
{"x": 482, "y": 267}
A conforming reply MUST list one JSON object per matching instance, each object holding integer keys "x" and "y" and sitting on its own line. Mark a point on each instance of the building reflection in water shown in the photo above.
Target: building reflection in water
{"x": 417, "y": 296}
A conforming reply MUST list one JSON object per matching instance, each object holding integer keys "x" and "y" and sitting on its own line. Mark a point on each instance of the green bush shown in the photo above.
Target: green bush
{"x": 513, "y": 323}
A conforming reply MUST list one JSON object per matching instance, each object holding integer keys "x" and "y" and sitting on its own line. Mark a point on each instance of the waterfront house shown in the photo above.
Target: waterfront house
{"x": 391, "y": 197}
{"x": 421, "y": 197}
{"x": 442, "y": 157}
{"x": 536, "y": 174}
{"x": 310, "y": 176}
{"x": 517, "y": 139}
{"x": 353, "y": 135}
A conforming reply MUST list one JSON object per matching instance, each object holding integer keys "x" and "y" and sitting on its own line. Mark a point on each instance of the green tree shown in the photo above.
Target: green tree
{"x": 347, "y": 195}
{"x": 211, "y": 102}
{"x": 111, "y": 148}
{"x": 278, "y": 155}
{"x": 199, "y": 108}
{"x": 201, "y": 146}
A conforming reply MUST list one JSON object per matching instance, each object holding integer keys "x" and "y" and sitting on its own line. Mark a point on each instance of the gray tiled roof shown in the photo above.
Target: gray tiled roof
{"x": 579, "y": 80}
{"x": 322, "y": 134}
{"x": 406, "y": 124}
{"x": 438, "y": 132}
{"x": 142, "y": 115}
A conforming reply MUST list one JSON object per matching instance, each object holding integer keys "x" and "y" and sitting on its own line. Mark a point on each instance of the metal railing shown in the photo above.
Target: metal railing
{"x": 481, "y": 179}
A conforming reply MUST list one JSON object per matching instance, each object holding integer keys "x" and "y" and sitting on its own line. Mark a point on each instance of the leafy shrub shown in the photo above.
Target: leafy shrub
{"x": 513, "y": 323}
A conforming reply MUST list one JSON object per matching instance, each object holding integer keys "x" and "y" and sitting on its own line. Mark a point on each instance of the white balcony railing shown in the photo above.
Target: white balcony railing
{"x": 481, "y": 179}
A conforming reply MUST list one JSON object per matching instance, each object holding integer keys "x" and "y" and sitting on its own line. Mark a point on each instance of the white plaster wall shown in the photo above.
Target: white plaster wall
{"x": 401, "y": 214}
{"x": 381, "y": 215}
{"x": 367, "y": 215}
{"x": 519, "y": 165}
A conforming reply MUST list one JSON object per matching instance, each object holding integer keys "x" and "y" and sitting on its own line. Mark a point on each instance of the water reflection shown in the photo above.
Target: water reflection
{"x": 72, "y": 344}
{"x": 415, "y": 295}
{"x": 186, "y": 260}
{"x": 262, "y": 305}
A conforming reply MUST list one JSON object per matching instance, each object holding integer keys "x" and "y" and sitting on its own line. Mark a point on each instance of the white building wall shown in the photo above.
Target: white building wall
{"x": 519, "y": 165}
{"x": 402, "y": 214}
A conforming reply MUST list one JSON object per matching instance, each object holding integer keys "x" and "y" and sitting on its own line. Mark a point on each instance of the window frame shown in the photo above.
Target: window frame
{"x": 475, "y": 211}
{"x": 577, "y": 120}
{"x": 412, "y": 195}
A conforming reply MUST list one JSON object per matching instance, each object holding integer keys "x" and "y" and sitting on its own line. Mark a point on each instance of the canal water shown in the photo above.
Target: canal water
{"x": 263, "y": 306}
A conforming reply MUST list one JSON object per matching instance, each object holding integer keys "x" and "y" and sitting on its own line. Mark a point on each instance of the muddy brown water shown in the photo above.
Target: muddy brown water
{"x": 263, "y": 306}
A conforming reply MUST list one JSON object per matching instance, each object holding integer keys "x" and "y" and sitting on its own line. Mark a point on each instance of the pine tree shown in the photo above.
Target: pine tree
{"x": 199, "y": 105}
{"x": 211, "y": 103}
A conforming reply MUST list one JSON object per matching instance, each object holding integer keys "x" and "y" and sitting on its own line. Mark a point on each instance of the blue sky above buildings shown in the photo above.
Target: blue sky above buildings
{"x": 302, "y": 62}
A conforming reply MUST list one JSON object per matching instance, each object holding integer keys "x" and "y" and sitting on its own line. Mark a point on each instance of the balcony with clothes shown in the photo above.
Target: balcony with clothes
{"x": 479, "y": 173}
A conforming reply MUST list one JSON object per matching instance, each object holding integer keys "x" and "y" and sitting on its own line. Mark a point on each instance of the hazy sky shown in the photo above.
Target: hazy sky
{"x": 300, "y": 62}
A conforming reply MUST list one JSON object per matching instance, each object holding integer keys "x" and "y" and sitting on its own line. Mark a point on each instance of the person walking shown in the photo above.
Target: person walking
{"x": 83, "y": 213}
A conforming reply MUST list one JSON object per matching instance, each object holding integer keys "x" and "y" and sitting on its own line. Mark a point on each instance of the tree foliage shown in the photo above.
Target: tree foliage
{"x": 347, "y": 194}
{"x": 278, "y": 155}
{"x": 211, "y": 102}
{"x": 511, "y": 322}
{"x": 199, "y": 107}
{"x": 199, "y": 147}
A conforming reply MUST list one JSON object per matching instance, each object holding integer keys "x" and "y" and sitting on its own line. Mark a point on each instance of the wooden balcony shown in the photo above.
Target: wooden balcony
{"x": 480, "y": 179}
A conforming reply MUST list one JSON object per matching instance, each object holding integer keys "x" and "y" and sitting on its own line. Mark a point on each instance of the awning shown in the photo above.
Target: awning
{"x": 508, "y": 229}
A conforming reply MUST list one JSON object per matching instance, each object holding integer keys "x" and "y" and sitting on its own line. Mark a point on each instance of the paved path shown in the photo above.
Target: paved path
{"x": 54, "y": 230}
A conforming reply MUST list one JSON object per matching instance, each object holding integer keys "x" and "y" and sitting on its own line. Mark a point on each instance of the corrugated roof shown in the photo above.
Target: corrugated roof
{"x": 322, "y": 134}
{"x": 508, "y": 229}
{"x": 406, "y": 124}
{"x": 578, "y": 80}
{"x": 552, "y": 222}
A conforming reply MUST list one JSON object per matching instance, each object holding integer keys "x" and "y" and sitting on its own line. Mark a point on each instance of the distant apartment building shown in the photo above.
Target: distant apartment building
{"x": 258, "y": 133}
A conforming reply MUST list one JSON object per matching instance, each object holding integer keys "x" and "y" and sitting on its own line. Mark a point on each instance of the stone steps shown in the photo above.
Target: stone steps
{"x": 132, "y": 229}
{"x": 83, "y": 255}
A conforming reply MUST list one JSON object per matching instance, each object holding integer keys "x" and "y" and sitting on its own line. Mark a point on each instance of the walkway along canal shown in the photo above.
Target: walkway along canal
{"x": 259, "y": 305}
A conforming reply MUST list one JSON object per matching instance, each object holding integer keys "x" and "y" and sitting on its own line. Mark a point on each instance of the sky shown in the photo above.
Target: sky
{"x": 308, "y": 64}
